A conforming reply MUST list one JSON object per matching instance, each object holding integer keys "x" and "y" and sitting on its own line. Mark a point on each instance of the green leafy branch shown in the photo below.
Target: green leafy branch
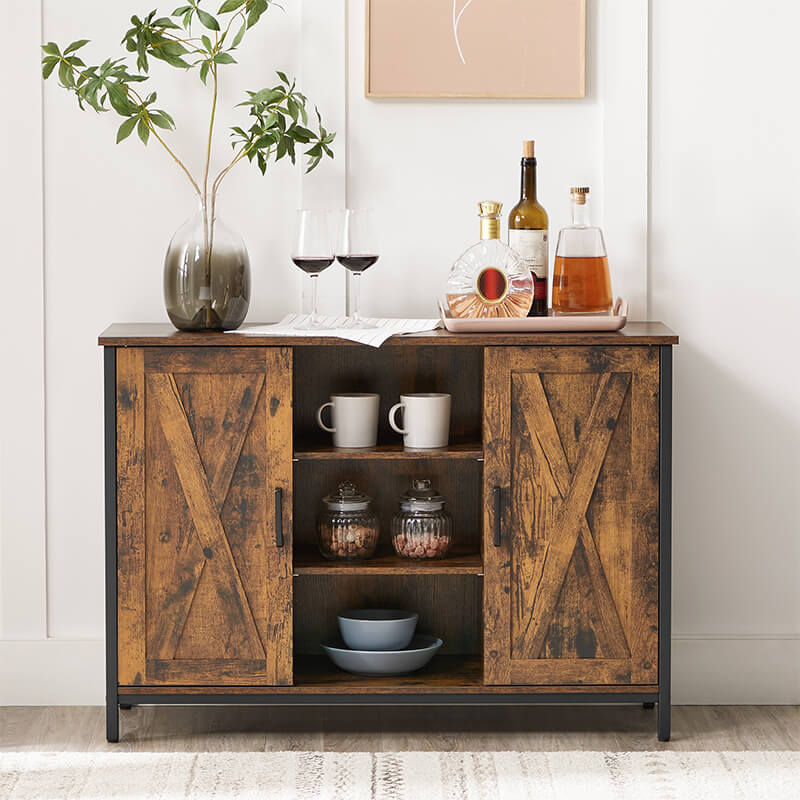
{"x": 279, "y": 117}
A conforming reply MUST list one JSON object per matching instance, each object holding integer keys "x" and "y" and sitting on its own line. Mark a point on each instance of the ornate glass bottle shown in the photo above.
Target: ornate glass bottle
{"x": 581, "y": 281}
{"x": 490, "y": 279}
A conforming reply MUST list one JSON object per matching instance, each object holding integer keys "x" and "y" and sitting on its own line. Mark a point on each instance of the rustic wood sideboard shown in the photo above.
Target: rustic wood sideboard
{"x": 558, "y": 477}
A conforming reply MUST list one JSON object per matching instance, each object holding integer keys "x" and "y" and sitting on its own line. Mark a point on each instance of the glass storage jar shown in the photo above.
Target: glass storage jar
{"x": 347, "y": 526}
{"x": 422, "y": 528}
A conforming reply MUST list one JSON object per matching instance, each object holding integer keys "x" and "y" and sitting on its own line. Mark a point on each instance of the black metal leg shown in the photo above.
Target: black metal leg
{"x": 648, "y": 706}
{"x": 110, "y": 433}
{"x": 664, "y": 721}
{"x": 112, "y": 720}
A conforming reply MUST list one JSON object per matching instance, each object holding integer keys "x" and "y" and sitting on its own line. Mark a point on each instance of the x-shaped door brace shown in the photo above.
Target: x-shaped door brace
{"x": 575, "y": 489}
{"x": 205, "y": 500}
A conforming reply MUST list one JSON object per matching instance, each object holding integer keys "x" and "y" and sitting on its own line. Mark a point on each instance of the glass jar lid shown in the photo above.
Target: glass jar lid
{"x": 421, "y": 497}
{"x": 347, "y": 497}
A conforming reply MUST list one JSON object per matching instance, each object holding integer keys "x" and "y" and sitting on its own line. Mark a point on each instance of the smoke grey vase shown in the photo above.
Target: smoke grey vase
{"x": 206, "y": 275}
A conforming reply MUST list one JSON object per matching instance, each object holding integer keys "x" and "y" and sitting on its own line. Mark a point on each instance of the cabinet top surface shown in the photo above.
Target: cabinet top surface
{"x": 148, "y": 334}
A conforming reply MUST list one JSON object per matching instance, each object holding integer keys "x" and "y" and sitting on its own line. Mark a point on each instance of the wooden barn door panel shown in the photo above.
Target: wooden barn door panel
{"x": 572, "y": 441}
{"x": 204, "y": 439}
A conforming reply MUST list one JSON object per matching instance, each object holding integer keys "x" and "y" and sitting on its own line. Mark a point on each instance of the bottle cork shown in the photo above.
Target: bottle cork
{"x": 527, "y": 148}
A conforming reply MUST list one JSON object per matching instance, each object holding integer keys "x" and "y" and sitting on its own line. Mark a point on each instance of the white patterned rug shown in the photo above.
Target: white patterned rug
{"x": 665, "y": 775}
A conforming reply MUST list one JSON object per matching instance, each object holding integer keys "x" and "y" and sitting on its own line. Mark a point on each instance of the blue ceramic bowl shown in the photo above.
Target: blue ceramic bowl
{"x": 377, "y": 628}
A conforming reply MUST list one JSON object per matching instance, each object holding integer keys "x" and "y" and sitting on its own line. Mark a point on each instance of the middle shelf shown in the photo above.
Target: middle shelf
{"x": 471, "y": 451}
{"x": 456, "y": 563}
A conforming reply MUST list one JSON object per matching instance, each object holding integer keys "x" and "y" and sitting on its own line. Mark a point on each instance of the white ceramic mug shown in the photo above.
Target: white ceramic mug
{"x": 426, "y": 420}
{"x": 354, "y": 419}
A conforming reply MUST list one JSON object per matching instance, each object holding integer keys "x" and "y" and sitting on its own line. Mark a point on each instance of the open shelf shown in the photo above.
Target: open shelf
{"x": 468, "y": 451}
{"x": 309, "y": 563}
{"x": 444, "y": 674}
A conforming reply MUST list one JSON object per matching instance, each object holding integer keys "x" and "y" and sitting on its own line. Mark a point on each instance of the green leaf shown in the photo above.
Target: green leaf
{"x": 165, "y": 23}
{"x": 143, "y": 131}
{"x": 181, "y": 10}
{"x": 161, "y": 120}
{"x": 51, "y": 48}
{"x": 118, "y": 98}
{"x": 282, "y": 76}
{"x": 230, "y": 5}
{"x": 207, "y": 43}
{"x": 48, "y": 65}
{"x": 224, "y": 58}
{"x": 207, "y": 20}
{"x": 204, "y": 71}
{"x": 76, "y": 46}
{"x": 267, "y": 96}
{"x": 65, "y": 75}
{"x": 126, "y": 129}
{"x": 256, "y": 10}
{"x": 239, "y": 36}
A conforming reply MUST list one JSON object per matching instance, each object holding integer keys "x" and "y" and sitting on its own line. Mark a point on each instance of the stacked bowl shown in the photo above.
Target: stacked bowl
{"x": 381, "y": 642}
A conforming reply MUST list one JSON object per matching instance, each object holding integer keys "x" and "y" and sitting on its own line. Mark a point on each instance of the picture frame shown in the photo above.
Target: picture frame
{"x": 469, "y": 49}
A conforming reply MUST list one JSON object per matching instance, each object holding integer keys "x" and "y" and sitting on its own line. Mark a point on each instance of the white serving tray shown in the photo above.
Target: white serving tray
{"x": 613, "y": 321}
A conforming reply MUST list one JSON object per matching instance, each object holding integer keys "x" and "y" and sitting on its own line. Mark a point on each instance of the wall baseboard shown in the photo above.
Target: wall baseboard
{"x": 706, "y": 669}
{"x": 52, "y": 672}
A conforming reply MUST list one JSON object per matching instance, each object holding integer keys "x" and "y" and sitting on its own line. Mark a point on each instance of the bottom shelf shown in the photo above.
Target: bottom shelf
{"x": 444, "y": 673}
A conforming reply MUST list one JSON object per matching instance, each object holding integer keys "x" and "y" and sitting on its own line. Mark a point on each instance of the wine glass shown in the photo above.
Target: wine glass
{"x": 356, "y": 251}
{"x": 313, "y": 253}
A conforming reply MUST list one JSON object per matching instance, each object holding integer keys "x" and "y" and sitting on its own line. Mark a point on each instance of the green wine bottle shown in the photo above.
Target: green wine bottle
{"x": 527, "y": 232}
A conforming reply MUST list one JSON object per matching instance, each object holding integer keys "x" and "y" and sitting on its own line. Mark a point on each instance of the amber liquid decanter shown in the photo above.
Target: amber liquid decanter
{"x": 489, "y": 280}
{"x": 581, "y": 281}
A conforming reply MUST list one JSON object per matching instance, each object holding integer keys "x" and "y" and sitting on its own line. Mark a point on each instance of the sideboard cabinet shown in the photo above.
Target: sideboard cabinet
{"x": 557, "y": 476}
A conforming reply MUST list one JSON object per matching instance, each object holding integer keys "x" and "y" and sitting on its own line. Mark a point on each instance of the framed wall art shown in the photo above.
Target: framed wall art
{"x": 476, "y": 48}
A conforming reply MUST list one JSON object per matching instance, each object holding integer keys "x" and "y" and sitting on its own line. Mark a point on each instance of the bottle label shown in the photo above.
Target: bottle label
{"x": 532, "y": 246}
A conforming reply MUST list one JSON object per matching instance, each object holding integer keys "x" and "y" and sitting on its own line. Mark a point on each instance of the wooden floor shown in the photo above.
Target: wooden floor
{"x": 401, "y": 728}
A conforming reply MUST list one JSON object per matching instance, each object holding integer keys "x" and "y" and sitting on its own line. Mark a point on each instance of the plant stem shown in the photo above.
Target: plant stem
{"x": 208, "y": 224}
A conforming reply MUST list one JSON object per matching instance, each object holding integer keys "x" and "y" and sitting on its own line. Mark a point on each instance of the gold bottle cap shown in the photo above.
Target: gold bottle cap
{"x": 527, "y": 148}
{"x": 490, "y": 222}
{"x": 578, "y": 194}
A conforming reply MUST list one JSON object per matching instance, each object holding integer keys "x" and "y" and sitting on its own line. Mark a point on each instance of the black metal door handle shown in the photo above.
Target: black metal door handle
{"x": 279, "y": 517}
{"x": 498, "y": 512}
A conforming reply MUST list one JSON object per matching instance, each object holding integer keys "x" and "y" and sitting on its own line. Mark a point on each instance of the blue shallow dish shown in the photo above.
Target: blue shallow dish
{"x": 384, "y": 662}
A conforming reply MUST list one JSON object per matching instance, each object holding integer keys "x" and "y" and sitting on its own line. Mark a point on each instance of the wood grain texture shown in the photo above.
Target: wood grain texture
{"x": 455, "y": 563}
{"x": 469, "y": 451}
{"x": 164, "y": 335}
{"x": 130, "y": 516}
{"x": 496, "y": 473}
{"x": 214, "y": 602}
{"x": 580, "y": 603}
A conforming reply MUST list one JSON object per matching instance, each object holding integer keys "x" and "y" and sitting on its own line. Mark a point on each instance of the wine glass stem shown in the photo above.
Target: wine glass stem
{"x": 356, "y": 285}
{"x": 314, "y": 310}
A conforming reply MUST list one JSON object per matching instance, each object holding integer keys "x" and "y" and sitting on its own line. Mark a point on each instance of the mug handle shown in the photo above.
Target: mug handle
{"x": 319, "y": 417}
{"x": 392, "y": 418}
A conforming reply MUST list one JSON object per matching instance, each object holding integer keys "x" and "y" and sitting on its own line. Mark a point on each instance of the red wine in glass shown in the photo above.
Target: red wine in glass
{"x": 312, "y": 265}
{"x": 357, "y": 262}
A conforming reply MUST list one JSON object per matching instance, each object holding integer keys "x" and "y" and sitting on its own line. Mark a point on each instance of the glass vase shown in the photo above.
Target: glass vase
{"x": 206, "y": 275}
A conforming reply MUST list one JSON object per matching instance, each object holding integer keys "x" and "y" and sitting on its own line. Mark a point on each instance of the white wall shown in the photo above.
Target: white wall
{"x": 109, "y": 212}
{"x": 725, "y": 272}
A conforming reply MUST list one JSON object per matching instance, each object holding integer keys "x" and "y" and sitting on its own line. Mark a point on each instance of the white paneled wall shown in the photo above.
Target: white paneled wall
{"x": 88, "y": 222}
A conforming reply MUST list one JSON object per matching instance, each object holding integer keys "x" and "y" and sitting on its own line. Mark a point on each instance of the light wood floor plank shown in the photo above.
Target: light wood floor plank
{"x": 444, "y": 728}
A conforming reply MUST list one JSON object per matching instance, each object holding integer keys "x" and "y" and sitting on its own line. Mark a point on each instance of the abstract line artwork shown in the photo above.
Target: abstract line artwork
{"x": 475, "y": 48}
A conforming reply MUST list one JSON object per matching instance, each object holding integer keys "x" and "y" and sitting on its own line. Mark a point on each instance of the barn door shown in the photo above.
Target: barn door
{"x": 571, "y": 556}
{"x": 204, "y": 516}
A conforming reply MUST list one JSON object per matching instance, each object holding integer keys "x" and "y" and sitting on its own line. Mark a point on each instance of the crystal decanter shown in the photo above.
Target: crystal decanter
{"x": 581, "y": 282}
{"x": 490, "y": 279}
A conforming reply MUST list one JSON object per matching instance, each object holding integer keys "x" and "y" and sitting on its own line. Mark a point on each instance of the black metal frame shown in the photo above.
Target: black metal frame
{"x": 664, "y": 543}
{"x": 110, "y": 436}
{"x": 115, "y": 700}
